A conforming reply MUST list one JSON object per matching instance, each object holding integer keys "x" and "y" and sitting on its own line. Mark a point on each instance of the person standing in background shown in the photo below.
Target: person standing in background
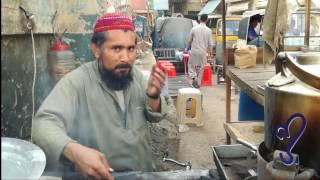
{"x": 200, "y": 42}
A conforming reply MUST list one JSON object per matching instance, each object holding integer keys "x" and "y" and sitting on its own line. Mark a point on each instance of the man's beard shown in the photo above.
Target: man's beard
{"x": 112, "y": 80}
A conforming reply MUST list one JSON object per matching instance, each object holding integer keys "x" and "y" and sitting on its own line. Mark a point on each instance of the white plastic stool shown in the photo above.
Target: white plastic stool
{"x": 193, "y": 114}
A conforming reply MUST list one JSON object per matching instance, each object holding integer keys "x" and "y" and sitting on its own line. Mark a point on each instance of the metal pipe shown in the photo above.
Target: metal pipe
{"x": 26, "y": 13}
{"x": 186, "y": 164}
{"x": 247, "y": 144}
{"x": 224, "y": 53}
{"x": 148, "y": 18}
{"x": 307, "y": 23}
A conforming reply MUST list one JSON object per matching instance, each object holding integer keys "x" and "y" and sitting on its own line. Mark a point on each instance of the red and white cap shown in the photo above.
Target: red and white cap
{"x": 112, "y": 21}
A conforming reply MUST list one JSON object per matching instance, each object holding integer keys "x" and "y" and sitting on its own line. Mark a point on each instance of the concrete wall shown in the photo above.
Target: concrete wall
{"x": 17, "y": 60}
{"x": 16, "y": 82}
{"x": 71, "y": 15}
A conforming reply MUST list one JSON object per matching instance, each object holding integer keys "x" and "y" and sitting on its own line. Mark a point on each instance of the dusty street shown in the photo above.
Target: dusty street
{"x": 195, "y": 144}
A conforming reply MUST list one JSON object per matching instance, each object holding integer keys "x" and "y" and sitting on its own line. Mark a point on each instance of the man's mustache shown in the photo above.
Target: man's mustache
{"x": 119, "y": 66}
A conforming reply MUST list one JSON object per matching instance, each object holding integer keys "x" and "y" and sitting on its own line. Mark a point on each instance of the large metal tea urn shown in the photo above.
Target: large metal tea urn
{"x": 292, "y": 111}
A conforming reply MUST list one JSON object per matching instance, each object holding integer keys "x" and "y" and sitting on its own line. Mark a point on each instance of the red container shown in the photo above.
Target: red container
{"x": 171, "y": 70}
{"x": 61, "y": 59}
{"x": 206, "y": 79}
{"x": 164, "y": 62}
{"x": 59, "y": 45}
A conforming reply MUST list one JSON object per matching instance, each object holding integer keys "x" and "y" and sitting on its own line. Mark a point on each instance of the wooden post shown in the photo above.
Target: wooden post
{"x": 228, "y": 104}
{"x": 225, "y": 64}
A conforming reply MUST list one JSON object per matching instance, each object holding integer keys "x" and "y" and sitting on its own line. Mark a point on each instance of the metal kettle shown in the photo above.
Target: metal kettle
{"x": 292, "y": 108}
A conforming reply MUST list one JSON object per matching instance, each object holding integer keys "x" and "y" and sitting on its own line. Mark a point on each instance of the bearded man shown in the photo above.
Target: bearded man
{"x": 95, "y": 119}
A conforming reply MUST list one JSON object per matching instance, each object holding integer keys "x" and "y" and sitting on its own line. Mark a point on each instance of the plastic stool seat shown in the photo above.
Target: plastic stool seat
{"x": 193, "y": 114}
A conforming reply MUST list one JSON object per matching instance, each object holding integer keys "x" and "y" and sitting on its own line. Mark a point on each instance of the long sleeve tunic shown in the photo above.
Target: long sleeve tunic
{"x": 200, "y": 41}
{"x": 81, "y": 108}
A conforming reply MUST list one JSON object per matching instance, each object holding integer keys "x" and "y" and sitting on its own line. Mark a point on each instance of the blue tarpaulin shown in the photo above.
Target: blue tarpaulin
{"x": 209, "y": 7}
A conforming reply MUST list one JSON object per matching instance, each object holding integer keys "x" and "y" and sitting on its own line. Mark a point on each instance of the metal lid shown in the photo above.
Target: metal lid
{"x": 21, "y": 159}
{"x": 306, "y": 67}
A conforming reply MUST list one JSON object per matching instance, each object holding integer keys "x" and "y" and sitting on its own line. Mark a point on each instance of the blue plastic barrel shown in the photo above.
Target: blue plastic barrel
{"x": 249, "y": 109}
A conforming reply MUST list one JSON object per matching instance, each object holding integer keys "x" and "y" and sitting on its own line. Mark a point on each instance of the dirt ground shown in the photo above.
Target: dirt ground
{"x": 195, "y": 143}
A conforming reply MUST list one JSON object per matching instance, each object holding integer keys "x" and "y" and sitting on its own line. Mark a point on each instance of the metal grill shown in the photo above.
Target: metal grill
{"x": 165, "y": 53}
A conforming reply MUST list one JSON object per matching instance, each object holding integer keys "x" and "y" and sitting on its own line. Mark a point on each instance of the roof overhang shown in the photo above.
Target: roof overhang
{"x": 210, "y": 7}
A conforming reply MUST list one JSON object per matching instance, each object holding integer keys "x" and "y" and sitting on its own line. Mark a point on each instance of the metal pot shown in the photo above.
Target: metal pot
{"x": 21, "y": 159}
{"x": 292, "y": 109}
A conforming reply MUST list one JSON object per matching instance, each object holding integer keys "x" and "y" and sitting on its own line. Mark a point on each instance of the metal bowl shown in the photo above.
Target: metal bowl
{"x": 21, "y": 159}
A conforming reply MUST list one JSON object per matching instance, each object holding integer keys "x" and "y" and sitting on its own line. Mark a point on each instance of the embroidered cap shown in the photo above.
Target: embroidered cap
{"x": 111, "y": 21}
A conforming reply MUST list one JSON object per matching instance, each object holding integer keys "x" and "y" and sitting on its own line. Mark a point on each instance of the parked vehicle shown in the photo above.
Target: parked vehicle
{"x": 212, "y": 24}
{"x": 170, "y": 38}
{"x": 171, "y": 32}
{"x": 243, "y": 31}
{"x": 295, "y": 35}
{"x": 244, "y": 26}
{"x": 232, "y": 28}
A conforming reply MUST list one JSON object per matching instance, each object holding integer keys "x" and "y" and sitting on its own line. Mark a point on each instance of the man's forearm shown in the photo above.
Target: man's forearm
{"x": 68, "y": 150}
{"x": 155, "y": 104}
